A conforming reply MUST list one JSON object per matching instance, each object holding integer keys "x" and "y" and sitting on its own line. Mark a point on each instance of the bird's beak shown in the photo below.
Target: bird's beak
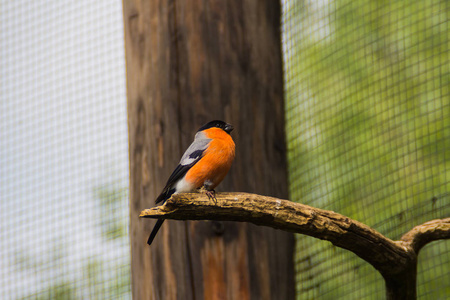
{"x": 229, "y": 128}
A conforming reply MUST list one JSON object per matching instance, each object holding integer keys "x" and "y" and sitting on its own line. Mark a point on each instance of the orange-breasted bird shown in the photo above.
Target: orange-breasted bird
{"x": 204, "y": 164}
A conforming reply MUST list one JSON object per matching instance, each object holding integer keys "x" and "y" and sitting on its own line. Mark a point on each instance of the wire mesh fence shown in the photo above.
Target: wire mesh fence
{"x": 368, "y": 125}
{"x": 64, "y": 151}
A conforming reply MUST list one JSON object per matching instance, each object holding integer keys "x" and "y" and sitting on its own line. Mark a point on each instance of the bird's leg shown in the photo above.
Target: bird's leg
{"x": 211, "y": 195}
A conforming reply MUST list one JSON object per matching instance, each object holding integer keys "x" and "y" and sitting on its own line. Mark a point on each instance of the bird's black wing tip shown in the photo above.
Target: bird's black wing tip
{"x": 165, "y": 195}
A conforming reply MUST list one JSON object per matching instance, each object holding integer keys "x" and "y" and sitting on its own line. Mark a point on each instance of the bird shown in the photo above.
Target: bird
{"x": 204, "y": 164}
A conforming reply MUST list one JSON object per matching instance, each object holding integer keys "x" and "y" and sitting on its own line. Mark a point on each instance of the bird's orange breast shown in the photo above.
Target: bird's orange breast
{"x": 216, "y": 161}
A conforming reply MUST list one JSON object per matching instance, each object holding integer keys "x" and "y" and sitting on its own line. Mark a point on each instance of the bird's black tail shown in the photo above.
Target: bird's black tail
{"x": 167, "y": 192}
{"x": 155, "y": 231}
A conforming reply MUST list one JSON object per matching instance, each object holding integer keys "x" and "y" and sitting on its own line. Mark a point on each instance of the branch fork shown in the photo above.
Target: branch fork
{"x": 395, "y": 260}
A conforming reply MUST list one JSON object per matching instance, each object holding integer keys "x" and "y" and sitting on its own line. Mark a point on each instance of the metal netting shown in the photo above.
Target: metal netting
{"x": 64, "y": 151}
{"x": 368, "y": 130}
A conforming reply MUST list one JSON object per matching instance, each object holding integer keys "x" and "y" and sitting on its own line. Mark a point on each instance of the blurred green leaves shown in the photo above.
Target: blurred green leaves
{"x": 98, "y": 276}
{"x": 368, "y": 129}
{"x": 110, "y": 211}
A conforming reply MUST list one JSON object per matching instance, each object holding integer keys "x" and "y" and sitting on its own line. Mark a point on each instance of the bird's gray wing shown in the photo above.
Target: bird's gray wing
{"x": 195, "y": 150}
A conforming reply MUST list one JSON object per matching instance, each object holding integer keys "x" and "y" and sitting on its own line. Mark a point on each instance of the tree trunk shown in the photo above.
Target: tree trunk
{"x": 402, "y": 286}
{"x": 189, "y": 62}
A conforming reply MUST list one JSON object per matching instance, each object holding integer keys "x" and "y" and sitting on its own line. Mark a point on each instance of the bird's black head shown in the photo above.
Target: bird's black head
{"x": 219, "y": 124}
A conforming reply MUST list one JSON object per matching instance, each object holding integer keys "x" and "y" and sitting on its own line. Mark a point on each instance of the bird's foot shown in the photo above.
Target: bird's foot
{"x": 211, "y": 195}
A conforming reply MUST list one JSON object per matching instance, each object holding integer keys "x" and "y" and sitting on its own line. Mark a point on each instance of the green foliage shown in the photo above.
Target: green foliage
{"x": 110, "y": 202}
{"x": 57, "y": 291}
{"x": 99, "y": 276}
{"x": 368, "y": 129}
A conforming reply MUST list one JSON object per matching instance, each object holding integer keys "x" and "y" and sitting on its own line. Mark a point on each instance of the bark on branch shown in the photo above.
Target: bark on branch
{"x": 395, "y": 260}
{"x": 423, "y": 234}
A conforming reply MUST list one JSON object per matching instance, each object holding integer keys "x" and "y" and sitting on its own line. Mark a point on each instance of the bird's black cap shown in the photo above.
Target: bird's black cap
{"x": 219, "y": 124}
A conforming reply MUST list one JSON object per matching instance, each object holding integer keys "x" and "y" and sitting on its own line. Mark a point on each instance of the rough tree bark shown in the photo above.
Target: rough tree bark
{"x": 189, "y": 62}
{"x": 395, "y": 260}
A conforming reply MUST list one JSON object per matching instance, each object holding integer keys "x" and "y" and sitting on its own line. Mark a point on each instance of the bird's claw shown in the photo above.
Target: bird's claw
{"x": 211, "y": 195}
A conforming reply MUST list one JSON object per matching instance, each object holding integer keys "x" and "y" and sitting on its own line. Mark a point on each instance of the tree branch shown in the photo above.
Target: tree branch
{"x": 395, "y": 260}
{"x": 430, "y": 231}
